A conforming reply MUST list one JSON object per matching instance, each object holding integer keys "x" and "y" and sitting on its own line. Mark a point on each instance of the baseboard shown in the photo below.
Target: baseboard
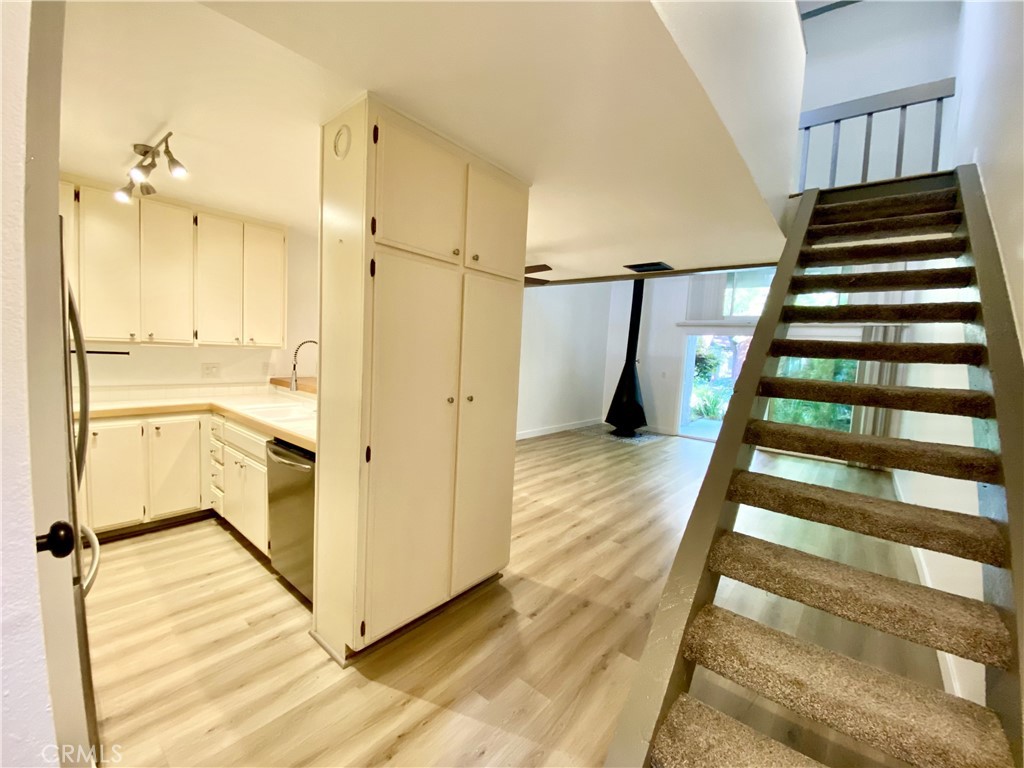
{"x": 527, "y": 433}
{"x": 950, "y": 678}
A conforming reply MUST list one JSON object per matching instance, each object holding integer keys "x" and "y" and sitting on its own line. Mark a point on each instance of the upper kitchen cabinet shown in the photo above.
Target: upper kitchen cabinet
{"x": 496, "y": 209}
{"x": 421, "y": 191}
{"x": 69, "y": 234}
{"x": 263, "y": 285}
{"x": 167, "y": 273}
{"x": 109, "y": 264}
{"x": 219, "y": 280}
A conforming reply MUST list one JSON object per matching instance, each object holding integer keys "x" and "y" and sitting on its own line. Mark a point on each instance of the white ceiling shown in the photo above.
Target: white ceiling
{"x": 592, "y": 103}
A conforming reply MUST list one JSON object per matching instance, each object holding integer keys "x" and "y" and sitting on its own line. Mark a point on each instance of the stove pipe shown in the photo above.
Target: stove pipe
{"x": 626, "y": 412}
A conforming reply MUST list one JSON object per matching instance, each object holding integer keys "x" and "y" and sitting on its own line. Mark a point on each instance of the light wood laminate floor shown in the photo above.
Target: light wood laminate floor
{"x": 201, "y": 657}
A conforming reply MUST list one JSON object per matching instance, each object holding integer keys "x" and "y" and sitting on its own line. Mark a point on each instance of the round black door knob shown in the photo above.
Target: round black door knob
{"x": 59, "y": 540}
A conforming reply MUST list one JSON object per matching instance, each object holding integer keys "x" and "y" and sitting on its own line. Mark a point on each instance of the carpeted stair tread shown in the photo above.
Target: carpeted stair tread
{"x": 880, "y": 207}
{"x": 908, "y": 720}
{"x": 957, "y": 402}
{"x": 938, "y": 354}
{"x": 964, "y": 463}
{"x": 879, "y": 253}
{"x": 958, "y": 625}
{"x": 942, "y": 222}
{"x": 695, "y": 735}
{"x": 971, "y": 537}
{"x": 906, "y": 280}
{"x": 944, "y": 312}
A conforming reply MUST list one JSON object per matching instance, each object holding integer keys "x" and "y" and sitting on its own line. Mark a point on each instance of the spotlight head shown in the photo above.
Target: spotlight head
{"x": 147, "y": 189}
{"x": 124, "y": 194}
{"x": 140, "y": 172}
{"x": 177, "y": 170}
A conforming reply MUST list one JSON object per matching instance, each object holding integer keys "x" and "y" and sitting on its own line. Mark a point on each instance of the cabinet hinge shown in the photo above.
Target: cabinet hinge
{"x": 376, "y": 134}
{"x": 78, "y": 197}
{"x": 195, "y": 334}
{"x": 362, "y": 629}
{"x": 142, "y": 430}
{"x": 367, "y": 454}
{"x": 373, "y": 225}
{"x": 373, "y": 267}
{"x": 195, "y": 221}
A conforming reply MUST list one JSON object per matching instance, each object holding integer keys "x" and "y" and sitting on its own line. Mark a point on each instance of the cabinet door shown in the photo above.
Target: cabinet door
{"x": 495, "y": 224}
{"x": 218, "y": 280}
{"x": 254, "y": 501}
{"x": 416, "y": 315}
{"x": 234, "y": 476}
{"x": 421, "y": 192}
{"x": 174, "y": 466}
{"x": 491, "y": 331}
{"x": 116, "y": 466}
{"x": 263, "y": 286}
{"x": 167, "y": 272}
{"x": 109, "y": 264}
{"x": 69, "y": 229}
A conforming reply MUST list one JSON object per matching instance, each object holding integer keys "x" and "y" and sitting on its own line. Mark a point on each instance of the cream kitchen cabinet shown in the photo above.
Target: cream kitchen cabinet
{"x": 245, "y": 484}
{"x": 263, "y": 280}
{"x": 175, "y": 466}
{"x": 140, "y": 469}
{"x": 218, "y": 279}
{"x": 421, "y": 190}
{"x": 495, "y": 223}
{"x": 109, "y": 266}
{"x": 419, "y": 353}
{"x": 167, "y": 272}
{"x": 116, "y": 473}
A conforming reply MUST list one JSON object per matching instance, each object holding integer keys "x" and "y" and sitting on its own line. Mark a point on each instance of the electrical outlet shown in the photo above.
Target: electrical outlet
{"x": 211, "y": 370}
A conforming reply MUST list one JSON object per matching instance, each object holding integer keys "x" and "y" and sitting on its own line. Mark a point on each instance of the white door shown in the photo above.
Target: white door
{"x": 263, "y": 286}
{"x": 254, "y": 504}
{"x": 69, "y": 218}
{"x": 421, "y": 191}
{"x": 496, "y": 211}
{"x": 167, "y": 272}
{"x": 218, "y": 280}
{"x": 116, "y": 466}
{"x": 109, "y": 263}
{"x": 174, "y": 465}
{"x": 491, "y": 329}
{"x": 234, "y": 491}
{"x": 416, "y": 314}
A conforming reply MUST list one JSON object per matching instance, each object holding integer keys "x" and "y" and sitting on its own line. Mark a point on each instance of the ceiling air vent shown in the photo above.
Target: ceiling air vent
{"x": 650, "y": 266}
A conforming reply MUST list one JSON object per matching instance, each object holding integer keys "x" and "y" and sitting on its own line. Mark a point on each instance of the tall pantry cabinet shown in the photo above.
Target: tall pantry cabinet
{"x": 422, "y": 254}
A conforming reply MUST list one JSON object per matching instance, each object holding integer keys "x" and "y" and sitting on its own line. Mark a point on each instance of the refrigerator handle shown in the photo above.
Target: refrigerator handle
{"x": 81, "y": 443}
{"x": 94, "y": 564}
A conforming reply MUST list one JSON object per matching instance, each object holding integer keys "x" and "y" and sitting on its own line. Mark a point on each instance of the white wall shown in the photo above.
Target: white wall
{"x": 562, "y": 365}
{"x": 749, "y": 56}
{"x": 662, "y": 346}
{"x": 28, "y": 722}
{"x": 869, "y": 48}
{"x": 991, "y": 126}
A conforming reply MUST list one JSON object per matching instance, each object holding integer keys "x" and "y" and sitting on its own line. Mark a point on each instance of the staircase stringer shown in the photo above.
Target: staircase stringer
{"x": 1003, "y": 378}
{"x": 663, "y": 673}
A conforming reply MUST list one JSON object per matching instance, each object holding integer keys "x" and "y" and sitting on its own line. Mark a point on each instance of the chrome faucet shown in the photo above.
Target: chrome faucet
{"x": 294, "y": 386}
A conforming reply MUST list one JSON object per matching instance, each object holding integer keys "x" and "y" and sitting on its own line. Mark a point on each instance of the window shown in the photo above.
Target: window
{"x": 746, "y": 291}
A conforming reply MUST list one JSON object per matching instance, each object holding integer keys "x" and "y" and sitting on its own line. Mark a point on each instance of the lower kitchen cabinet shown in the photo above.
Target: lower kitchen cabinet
{"x": 116, "y": 470}
{"x": 140, "y": 469}
{"x": 245, "y": 497}
{"x": 174, "y": 466}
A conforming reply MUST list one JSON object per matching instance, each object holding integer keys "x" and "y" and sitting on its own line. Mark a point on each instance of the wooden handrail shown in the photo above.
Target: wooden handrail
{"x": 1003, "y": 379}
{"x": 662, "y": 675}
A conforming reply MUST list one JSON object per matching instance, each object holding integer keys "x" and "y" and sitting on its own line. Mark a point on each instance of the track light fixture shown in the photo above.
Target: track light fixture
{"x": 140, "y": 172}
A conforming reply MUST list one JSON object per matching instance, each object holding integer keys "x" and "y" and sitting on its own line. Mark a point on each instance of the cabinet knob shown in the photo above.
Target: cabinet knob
{"x": 151, "y": 335}
{"x": 455, "y": 252}
{"x": 476, "y": 257}
{"x": 131, "y": 335}
{"x": 237, "y": 340}
{"x": 451, "y": 399}
{"x": 95, "y": 434}
{"x": 469, "y": 398}
{"x": 251, "y": 339}
{"x": 157, "y": 428}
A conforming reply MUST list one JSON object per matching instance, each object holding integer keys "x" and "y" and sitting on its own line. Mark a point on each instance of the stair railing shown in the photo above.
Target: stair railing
{"x": 900, "y": 99}
{"x": 663, "y": 674}
{"x": 1002, "y": 378}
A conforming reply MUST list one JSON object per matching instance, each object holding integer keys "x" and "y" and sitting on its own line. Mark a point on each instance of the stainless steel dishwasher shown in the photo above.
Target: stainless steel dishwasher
{"x": 291, "y": 473}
